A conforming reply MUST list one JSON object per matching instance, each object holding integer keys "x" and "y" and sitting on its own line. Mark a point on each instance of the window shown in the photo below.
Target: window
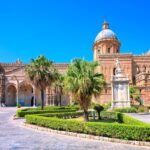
{"x": 114, "y": 71}
{"x": 108, "y": 50}
{"x": 117, "y": 50}
{"x": 99, "y": 51}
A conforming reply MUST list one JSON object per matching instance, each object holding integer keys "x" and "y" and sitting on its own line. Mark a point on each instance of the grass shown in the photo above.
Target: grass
{"x": 94, "y": 120}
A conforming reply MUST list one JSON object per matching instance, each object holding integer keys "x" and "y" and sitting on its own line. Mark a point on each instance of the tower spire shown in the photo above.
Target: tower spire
{"x": 105, "y": 25}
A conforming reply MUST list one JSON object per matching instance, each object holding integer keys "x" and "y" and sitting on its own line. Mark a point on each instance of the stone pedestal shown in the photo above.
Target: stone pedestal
{"x": 120, "y": 88}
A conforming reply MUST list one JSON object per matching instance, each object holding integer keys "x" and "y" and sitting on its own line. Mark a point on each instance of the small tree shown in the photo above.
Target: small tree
{"x": 41, "y": 73}
{"x": 98, "y": 108}
{"x": 83, "y": 82}
{"x": 135, "y": 94}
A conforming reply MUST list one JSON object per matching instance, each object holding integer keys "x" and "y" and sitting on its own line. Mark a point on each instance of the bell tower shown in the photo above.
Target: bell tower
{"x": 106, "y": 42}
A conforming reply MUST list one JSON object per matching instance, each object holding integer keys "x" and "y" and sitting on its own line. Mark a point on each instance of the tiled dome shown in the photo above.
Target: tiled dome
{"x": 105, "y": 33}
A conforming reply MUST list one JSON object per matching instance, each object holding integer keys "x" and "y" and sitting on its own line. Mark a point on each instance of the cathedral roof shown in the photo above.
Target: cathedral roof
{"x": 105, "y": 33}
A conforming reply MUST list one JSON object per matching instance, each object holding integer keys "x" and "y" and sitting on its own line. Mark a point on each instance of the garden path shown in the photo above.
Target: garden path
{"x": 145, "y": 117}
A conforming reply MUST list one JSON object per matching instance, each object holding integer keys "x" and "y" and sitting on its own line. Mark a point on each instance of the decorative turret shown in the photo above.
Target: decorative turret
{"x": 18, "y": 62}
{"x": 106, "y": 42}
{"x": 105, "y": 25}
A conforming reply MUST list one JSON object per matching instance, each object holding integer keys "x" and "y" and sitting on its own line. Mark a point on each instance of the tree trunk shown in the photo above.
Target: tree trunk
{"x": 42, "y": 98}
{"x": 99, "y": 117}
{"x": 86, "y": 115}
{"x": 60, "y": 99}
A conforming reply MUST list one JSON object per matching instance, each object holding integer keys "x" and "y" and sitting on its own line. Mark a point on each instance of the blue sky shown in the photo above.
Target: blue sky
{"x": 65, "y": 29}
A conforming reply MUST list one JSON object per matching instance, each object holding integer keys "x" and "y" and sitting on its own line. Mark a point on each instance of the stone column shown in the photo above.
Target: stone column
{"x": 112, "y": 90}
{"x": 34, "y": 100}
{"x": 129, "y": 102}
{"x": 17, "y": 94}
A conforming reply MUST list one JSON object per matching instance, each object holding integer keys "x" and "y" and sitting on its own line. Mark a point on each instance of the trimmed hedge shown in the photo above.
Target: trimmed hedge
{"x": 115, "y": 130}
{"x": 56, "y": 107}
{"x": 23, "y": 112}
{"x": 120, "y": 117}
{"x": 129, "y": 120}
{"x": 64, "y": 115}
{"x": 109, "y": 115}
{"x": 143, "y": 109}
{"x": 126, "y": 110}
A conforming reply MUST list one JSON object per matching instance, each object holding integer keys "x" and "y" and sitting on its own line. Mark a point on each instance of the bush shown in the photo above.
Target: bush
{"x": 109, "y": 115}
{"x": 23, "y": 112}
{"x": 98, "y": 108}
{"x": 122, "y": 131}
{"x": 55, "y": 123}
{"x": 64, "y": 115}
{"x": 120, "y": 117}
{"x": 107, "y": 106}
{"x": 56, "y": 107}
{"x": 126, "y": 110}
{"x": 143, "y": 109}
{"x": 19, "y": 105}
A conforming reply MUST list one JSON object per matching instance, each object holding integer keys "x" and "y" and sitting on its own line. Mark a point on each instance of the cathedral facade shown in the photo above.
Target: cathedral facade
{"x": 106, "y": 49}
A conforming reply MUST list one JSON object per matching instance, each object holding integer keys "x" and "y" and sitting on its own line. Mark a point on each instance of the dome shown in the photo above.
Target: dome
{"x": 105, "y": 33}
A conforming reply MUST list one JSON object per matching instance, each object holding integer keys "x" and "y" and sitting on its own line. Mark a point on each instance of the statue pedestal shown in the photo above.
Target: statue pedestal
{"x": 120, "y": 89}
{"x": 120, "y": 96}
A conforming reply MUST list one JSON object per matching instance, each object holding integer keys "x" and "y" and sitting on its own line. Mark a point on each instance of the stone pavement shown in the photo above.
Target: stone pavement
{"x": 145, "y": 117}
{"x": 13, "y": 136}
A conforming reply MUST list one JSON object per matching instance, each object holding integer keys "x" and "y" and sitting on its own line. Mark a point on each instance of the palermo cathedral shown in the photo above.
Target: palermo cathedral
{"x": 106, "y": 49}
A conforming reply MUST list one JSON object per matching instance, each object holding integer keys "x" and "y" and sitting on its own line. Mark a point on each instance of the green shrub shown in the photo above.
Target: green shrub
{"x": 107, "y": 106}
{"x": 126, "y": 110}
{"x": 109, "y": 115}
{"x": 129, "y": 120}
{"x": 122, "y": 131}
{"x": 56, "y": 107}
{"x": 98, "y": 108}
{"x": 19, "y": 105}
{"x": 55, "y": 123}
{"x": 143, "y": 109}
{"x": 120, "y": 117}
{"x": 23, "y": 112}
{"x": 64, "y": 115}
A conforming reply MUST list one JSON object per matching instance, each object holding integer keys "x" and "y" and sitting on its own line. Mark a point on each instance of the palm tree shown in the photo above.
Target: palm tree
{"x": 82, "y": 81}
{"x": 41, "y": 73}
{"x": 59, "y": 84}
{"x": 135, "y": 94}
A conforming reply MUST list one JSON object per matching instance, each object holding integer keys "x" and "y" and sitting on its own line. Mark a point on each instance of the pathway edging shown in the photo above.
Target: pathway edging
{"x": 87, "y": 136}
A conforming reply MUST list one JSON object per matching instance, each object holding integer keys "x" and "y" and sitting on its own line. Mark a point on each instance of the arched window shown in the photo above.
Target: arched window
{"x": 134, "y": 79}
{"x": 137, "y": 69}
{"x": 114, "y": 71}
{"x": 108, "y": 50}
{"x": 144, "y": 68}
{"x": 1, "y": 70}
{"x": 99, "y": 51}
